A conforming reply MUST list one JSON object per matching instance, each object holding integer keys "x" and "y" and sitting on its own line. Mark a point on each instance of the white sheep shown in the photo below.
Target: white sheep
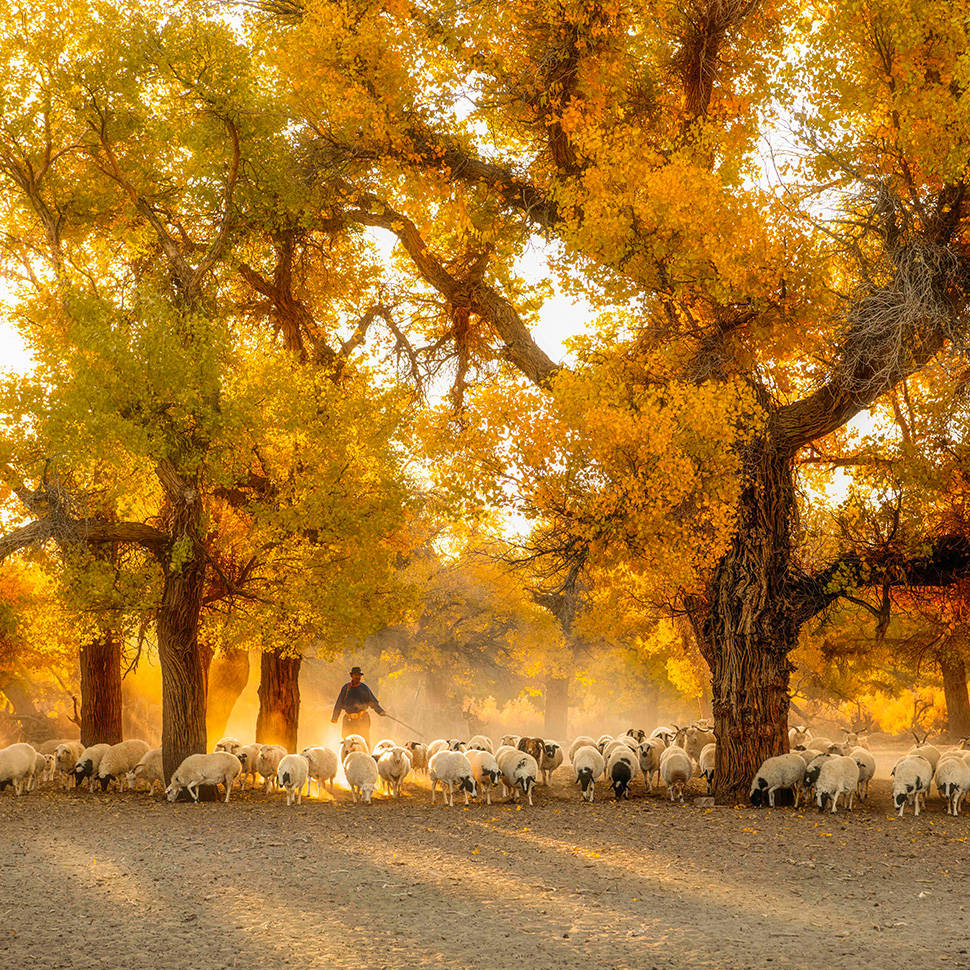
{"x": 419, "y": 756}
{"x": 621, "y": 768}
{"x": 649, "y": 754}
{"x": 268, "y": 762}
{"x": 393, "y": 767}
{"x": 697, "y": 738}
{"x": 43, "y": 769}
{"x": 452, "y": 769}
{"x": 519, "y": 770}
{"x": 218, "y": 768}
{"x": 503, "y": 749}
{"x": 485, "y": 771}
{"x": 583, "y": 741}
{"x": 706, "y": 762}
{"x": 912, "y": 776}
{"x": 480, "y": 743}
{"x": 609, "y": 749}
{"x": 588, "y": 764}
{"x": 838, "y": 776}
{"x": 928, "y": 751}
{"x": 66, "y": 756}
{"x": 362, "y": 775}
{"x": 17, "y": 765}
{"x": 604, "y": 740}
{"x": 812, "y": 771}
{"x": 247, "y": 756}
{"x": 384, "y": 745}
{"x": 676, "y": 769}
{"x": 953, "y": 782}
{"x": 665, "y": 734}
{"x": 323, "y": 764}
{"x": 824, "y": 746}
{"x": 232, "y": 745}
{"x": 798, "y": 734}
{"x": 550, "y": 760}
{"x": 867, "y": 768}
{"x": 149, "y": 769}
{"x": 512, "y": 740}
{"x": 88, "y": 764}
{"x": 119, "y": 759}
{"x": 291, "y": 774}
{"x": 351, "y": 743}
{"x": 782, "y": 771}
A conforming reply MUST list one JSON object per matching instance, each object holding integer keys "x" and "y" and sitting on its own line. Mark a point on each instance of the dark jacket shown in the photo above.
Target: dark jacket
{"x": 353, "y": 700}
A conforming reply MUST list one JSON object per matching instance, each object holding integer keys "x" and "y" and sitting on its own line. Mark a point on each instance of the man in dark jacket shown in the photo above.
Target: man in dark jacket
{"x": 354, "y": 699}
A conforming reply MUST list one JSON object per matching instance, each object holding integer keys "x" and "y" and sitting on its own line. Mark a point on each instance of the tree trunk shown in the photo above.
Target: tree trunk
{"x": 751, "y": 627}
{"x": 228, "y": 676}
{"x": 556, "y": 708}
{"x": 101, "y": 691}
{"x": 279, "y": 699}
{"x": 954, "y": 672}
{"x": 183, "y": 673}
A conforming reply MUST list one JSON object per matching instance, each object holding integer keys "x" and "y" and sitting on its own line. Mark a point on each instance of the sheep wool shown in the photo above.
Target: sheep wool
{"x": 247, "y": 756}
{"x": 621, "y": 767}
{"x": 485, "y": 771}
{"x": 88, "y": 764}
{"x": 149, "y": 769}
{"x": 218, "y": 768}
{"x": 705, "y": 762}
{"x": 550, "y": 760}
{"x": 119, "y": 759}
{"x": 519, "y": 771}
{"x": 351, "y": 743}
{"x": 479, "y": 743}
{"x": 649, "y": 754}
{"x": 418, "y": 753}
{"x": 232, "y": 745}
{"x": 268, "y": 761}
{"x": 676, "y": 769}
{"x": 588, "y": 764}
{"x": 839, "y": 776}
{"x": 782, "y": 771}
{"x": 393, "y": 767}
{"x": 66, "y": 756}
{"x": 583, "y": 741}
{"x": 362, "y": 775}
{"x": 953, "y": 782}
{"x": 292, "y": 774}
{"x": 17, "y": 765}
{"x": 323, "y": 764}
{"x": 911, "y": 781}
{"x": 454, "y": 770}
{"x": 867, "y": 768}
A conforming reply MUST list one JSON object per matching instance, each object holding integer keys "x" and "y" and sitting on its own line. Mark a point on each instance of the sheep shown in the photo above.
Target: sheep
{"x": 812, "y": 771}
{"x": 823, "y": 745}
{"x": 88, "y": 764}
{"x": 799, "y": 734}
{"x": 247, "y": 756}
{"x": 149, "y": 769}
{"x": 531, "y": 746}
{"x": 512, "y": 740}
{"x": 581, "y": 742}
{"x": 418, "y": 753}
{"x": 232, "y": 745}
{"x": 480, "y": 743}
{"x": 452, "y": 768}
{"x": 393, "y": 768}
{"x": 485, "y": 770}
{"x": 867, "y": 768}
{"x": 629, "y": 740}
{"x": 218, "y": 768}
{"x": 854, "y": 740}
{"x": 549, "y": 760}
{"x": 676, "y": 769}
{"x": 638, "y": 735}
{"x": 706, "y": 761}
{"x": 588, "y": 764}
{"x": 696, "y": 740}
{"x": 665, "y": 734}
{"x": 953, "y": 782}
{"x": 381, "y": 747}
{"x": 119, "y": 759}
{"x": 782, "y": 771}
{"x": 620, "y": 770}
{"x": 439, "y": 744}
{"x": 911, "y": 781}
{"x": 50, "y": 747}
{"x": 268, "y": 763}
{"x": 928, "y": 751}
{"x": 362, "y": 775}
{"x": 43, "y": 769}
{"x": 838, "y": 776}
{"x": 519, "y": 770}
{"x": 323, "y": 767}
{"x": 604, "y": 740}
{"x": 649, "y": 754}
{"x": 17, "y": 765}
{"x": 351, "y": 743}
{"x": 66, "y": 756}
{"x": 803, "y": 753}
{"x": 503, "y": 749}
{"x": 292, "y": 774}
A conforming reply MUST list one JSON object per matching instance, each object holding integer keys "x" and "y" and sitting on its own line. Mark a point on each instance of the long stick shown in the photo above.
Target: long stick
{"x": 408, "y": 726}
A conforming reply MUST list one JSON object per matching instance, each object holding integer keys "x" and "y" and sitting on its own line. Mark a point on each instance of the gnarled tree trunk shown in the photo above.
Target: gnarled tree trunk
{"x": 751, "y": 627}
{"x": 954, "y": 672}
{"x": 101, "y": 690}
{"x": 279, "y": 699}
{"x": 228, "y": 676}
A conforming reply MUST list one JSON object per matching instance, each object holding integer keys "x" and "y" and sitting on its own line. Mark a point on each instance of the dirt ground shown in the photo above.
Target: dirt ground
{"x": 126, "y": 880}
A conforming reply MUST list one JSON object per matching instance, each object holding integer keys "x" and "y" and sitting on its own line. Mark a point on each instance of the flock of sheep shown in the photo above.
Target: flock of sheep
{"x": 821, "y": 770}
{"x": 816, "y": 768}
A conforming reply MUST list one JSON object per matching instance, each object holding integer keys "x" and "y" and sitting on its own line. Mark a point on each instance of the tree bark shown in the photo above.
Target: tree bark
{"x": 101, "y": 691}
{"x": 228, "y": 676}
{"x": 556, "y": 708}
{"x": 183, "y": 673}
{"x": 279, "y": 699}
{"x": 751, "y": 626}
{"x": 954, "y": 672}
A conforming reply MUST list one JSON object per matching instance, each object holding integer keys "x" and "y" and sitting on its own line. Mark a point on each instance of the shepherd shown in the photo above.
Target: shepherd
{"x": 354, "y": 699}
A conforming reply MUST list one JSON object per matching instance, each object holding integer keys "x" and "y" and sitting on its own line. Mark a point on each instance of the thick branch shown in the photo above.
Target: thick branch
{"x": 93, "y": 531}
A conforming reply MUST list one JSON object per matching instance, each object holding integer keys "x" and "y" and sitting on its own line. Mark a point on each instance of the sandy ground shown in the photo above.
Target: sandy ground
{"x": 125, "y": 880}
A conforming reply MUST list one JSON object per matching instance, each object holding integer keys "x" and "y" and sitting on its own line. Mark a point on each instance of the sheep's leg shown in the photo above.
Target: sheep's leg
{"x": 771, "y": 798}
{"x": 434, "y": 784}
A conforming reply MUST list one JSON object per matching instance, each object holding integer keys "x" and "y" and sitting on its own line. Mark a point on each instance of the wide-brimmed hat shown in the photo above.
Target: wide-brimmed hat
{"x": 357, "y": 670}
